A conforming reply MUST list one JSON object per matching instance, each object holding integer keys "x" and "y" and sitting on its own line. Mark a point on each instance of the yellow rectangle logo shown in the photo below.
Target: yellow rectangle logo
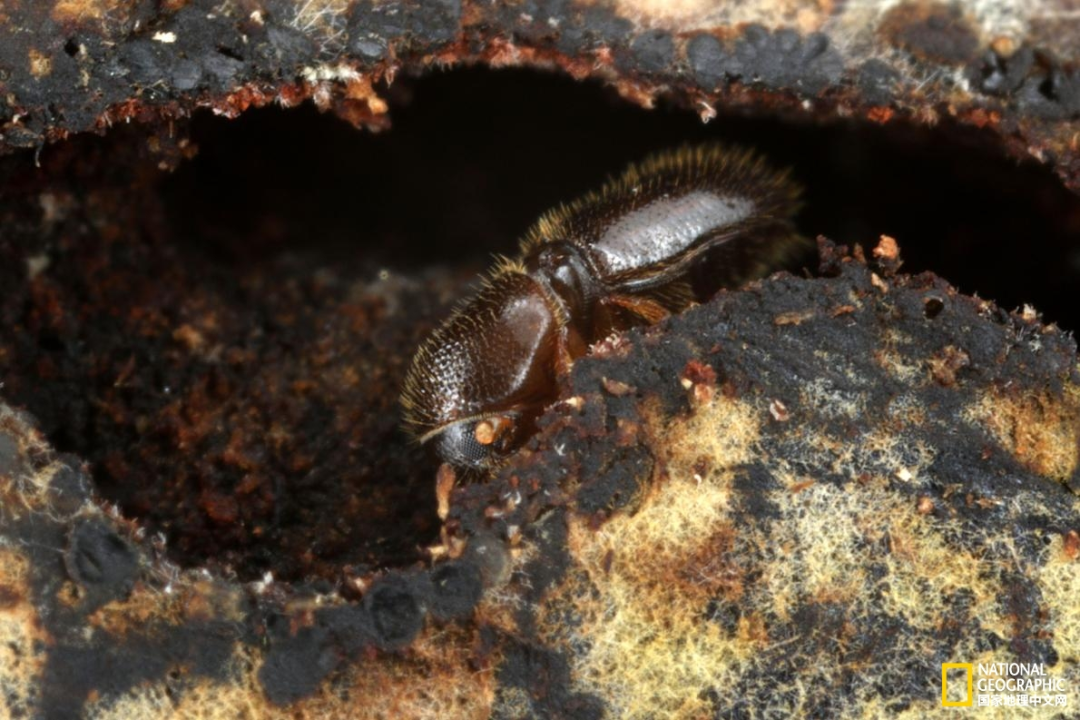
{"x": 945, "y": 668}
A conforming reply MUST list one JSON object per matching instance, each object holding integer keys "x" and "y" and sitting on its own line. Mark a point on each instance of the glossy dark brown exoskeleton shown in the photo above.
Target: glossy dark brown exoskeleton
{"x": 616, "y": 258}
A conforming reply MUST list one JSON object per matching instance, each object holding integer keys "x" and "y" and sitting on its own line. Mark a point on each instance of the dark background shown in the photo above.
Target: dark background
{"x": 475, "y": 156}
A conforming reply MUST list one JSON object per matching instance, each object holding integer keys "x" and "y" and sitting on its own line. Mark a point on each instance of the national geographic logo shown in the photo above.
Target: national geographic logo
{"x": 1001, "y": 685}
{"x": 968, "y": 697}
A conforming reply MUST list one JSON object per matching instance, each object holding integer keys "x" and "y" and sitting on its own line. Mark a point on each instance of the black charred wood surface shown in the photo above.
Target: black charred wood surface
{"x": 863, "y": 469}
{"x": 70, "y": 66}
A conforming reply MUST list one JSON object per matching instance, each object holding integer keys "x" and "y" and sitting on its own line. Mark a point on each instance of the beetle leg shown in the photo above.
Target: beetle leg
{"x": 676, "y": 296}
{"x": 645, "y": 308}
{"x": 569, "y": 345}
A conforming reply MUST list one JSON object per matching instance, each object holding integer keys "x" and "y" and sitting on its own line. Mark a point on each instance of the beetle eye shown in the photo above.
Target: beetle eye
{"x": 457, "y": 445}
{"x": 478, "y": 443}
